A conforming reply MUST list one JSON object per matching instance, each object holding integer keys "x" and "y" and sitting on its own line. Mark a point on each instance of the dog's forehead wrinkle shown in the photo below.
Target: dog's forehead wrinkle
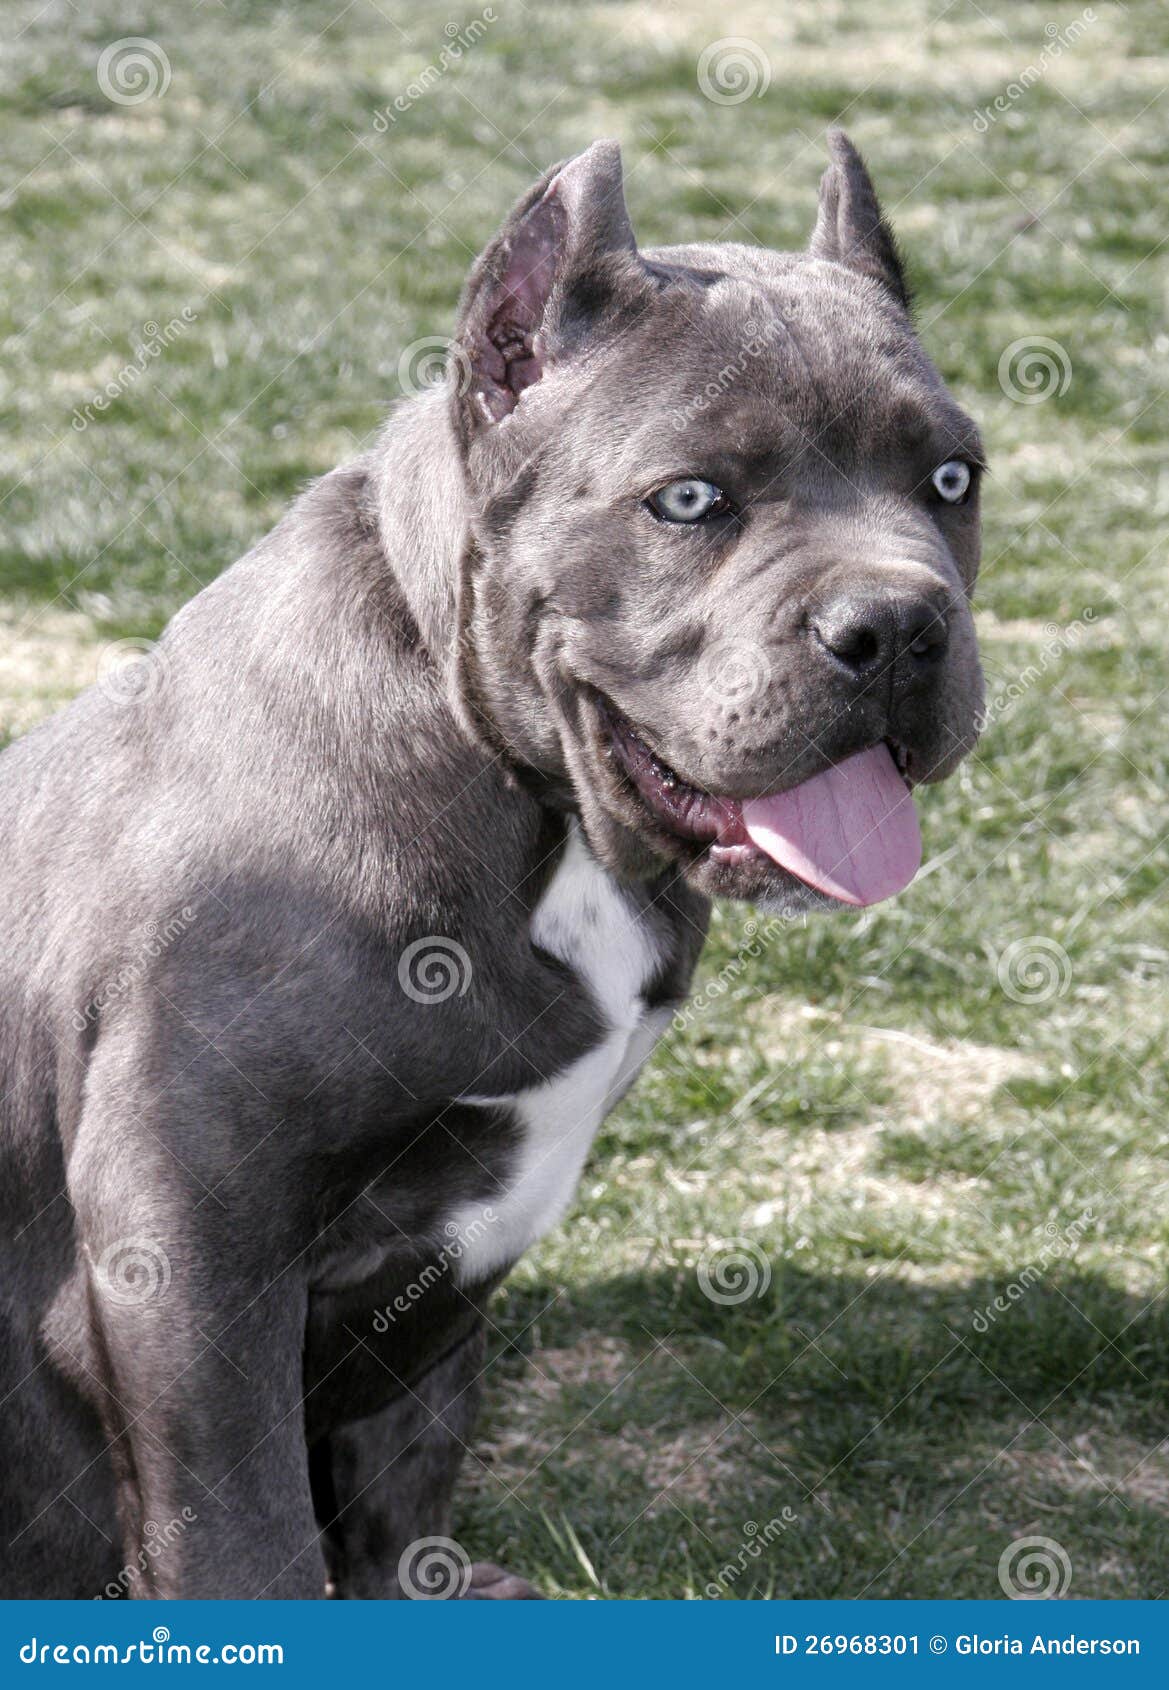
{"x": 749, "y": 350}
{"x": 719, "y": 260}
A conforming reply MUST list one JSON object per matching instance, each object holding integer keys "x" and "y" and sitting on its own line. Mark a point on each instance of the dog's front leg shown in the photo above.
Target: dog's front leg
{"x": 385, "y": 1485}
{"x": 193, "y": 1347}
{"x": 387, "y": 1493}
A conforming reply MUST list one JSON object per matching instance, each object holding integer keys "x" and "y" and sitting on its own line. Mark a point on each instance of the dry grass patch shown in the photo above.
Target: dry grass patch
{"x": 927, "y": 1077}
{"x": 554, "y": 1412}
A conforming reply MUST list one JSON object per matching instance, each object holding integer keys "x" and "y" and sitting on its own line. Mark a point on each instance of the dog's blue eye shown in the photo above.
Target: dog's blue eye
{"x": 687, "y": 501}
{"x": 952, "y": 481}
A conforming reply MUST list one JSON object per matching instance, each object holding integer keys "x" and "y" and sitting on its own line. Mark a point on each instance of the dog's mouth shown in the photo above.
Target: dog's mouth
{"x": 849, "y": 832}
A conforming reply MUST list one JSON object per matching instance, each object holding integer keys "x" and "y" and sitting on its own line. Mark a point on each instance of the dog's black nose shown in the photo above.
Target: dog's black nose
{"x": 868, "y": 635}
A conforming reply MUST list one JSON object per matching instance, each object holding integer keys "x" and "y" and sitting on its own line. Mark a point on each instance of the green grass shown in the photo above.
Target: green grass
{"x": 864, "y": 1106}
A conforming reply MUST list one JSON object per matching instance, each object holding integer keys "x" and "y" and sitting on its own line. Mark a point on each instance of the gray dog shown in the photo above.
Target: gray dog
{"x": 326, "y": 955}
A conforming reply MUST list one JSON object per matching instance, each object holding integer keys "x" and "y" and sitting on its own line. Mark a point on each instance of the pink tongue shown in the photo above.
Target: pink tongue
{"x": 850, "y": 831}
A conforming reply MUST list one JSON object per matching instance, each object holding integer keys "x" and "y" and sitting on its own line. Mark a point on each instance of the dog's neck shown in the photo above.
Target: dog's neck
{"x": 418, "y": 491}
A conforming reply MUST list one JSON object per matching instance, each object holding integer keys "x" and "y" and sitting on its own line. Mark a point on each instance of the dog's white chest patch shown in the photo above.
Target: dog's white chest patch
{"x": 586, "y": 921}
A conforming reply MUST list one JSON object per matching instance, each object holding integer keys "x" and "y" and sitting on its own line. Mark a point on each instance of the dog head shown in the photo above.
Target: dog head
{"x": 724, "y": 530}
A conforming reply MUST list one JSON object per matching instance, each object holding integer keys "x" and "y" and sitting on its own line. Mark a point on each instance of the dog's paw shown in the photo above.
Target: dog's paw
{"x": 490, "y": 1583}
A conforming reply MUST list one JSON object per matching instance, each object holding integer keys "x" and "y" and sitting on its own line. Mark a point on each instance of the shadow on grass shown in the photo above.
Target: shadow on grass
{"x": 834, "y": 1435}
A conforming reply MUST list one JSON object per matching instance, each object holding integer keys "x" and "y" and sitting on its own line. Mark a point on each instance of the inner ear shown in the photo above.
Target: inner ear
{"x": 564, "y": 261}
{"x": 511, "y": 357}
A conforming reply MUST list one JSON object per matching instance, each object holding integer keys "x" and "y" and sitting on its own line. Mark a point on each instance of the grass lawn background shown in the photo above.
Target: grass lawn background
{"x": 894, "y": 1118}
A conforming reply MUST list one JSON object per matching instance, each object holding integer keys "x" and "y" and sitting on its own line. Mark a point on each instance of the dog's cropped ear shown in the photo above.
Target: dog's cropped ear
{"x": 564, "y": 262}
{"x": 850, "y": 228}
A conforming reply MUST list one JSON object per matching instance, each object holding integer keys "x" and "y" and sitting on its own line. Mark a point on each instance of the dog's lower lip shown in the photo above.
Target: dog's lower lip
{"x": 734, "y": 855}
{"x": 687, "y": 812}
